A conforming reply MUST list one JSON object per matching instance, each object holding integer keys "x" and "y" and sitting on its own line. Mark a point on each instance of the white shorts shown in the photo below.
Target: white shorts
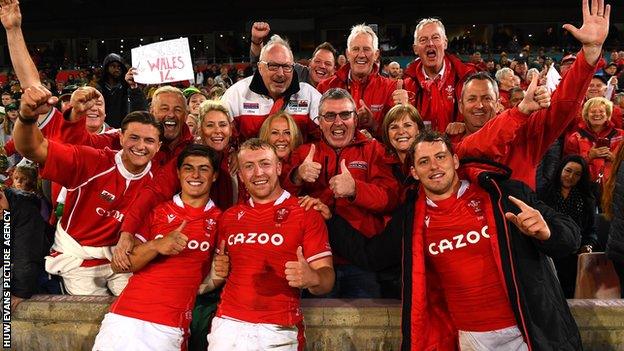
{"x": 230, "y": 334}
{"x": 508, "y": 339}
{"x": 97, "y": 280}
{"x": 121, "y": 333}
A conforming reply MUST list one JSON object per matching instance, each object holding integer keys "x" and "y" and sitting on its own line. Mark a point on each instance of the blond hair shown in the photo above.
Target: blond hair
{"x": 295, "y": 134}
{"x": 597, "y": 101}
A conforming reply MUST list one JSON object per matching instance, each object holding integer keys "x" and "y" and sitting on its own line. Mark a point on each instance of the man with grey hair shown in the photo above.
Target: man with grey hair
{"x": 374, "y": 94}
{"x": 505, "y": 80}
{"x": 272, "y": 88}
{"x": 349, "y": 173}
{"x": 435, "y": 77}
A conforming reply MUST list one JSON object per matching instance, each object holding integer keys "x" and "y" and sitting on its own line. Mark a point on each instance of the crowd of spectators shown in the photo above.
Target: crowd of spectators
{"x": 341, "y": 126}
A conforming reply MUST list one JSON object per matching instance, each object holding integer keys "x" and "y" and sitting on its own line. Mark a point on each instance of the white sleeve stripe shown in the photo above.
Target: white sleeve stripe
{"x": 318, "y": 256}
{"x": 95, "y": 176}
{"x": 140, "y": 237}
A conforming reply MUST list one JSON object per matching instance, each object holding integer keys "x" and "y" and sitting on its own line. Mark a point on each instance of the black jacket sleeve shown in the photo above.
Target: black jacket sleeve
{"x": 615, "y": 243}
{"x": 137, "y": 101}
{"x": 565, "y": 235}
{"x": 374, "y": 254}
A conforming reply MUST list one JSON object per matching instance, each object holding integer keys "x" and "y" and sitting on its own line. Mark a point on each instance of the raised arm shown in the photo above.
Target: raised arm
{"x": 29, "y": 141}
{"x": 24, "y": 67}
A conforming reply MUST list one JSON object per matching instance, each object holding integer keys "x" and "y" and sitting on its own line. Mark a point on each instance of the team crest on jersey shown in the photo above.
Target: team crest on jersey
{"x": 449, "y": 91}
{"x": 240, "y": 215}
{"x": 210, "y": 224}
{"x": 281, "y": 215}
{"x": 170, "y": 218}
{"x": 427, "y": 218}
{"x": 106, "y": 196}
{"x": 251, "y": 105}
{"x": 475, "y": 206}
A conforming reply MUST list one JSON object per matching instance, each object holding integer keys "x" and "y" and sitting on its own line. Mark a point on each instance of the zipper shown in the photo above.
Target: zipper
{"x": 513, "y": 271}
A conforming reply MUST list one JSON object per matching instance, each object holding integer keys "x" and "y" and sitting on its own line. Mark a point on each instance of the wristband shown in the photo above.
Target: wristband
{"x": 27, "y": 121}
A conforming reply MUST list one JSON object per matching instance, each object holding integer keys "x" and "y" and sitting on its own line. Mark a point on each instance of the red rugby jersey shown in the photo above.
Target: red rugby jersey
{"x": 457, "y": 244}
{"x": 164, "y": 290}
{"x": 260, "y": 239}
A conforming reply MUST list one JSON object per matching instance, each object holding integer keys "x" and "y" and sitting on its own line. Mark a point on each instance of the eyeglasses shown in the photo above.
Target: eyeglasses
{"x": 331, "y": 116}
{"x": 274, "y": 66}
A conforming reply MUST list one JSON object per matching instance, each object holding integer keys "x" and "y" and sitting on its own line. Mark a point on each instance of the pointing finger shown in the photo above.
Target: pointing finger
{"x": 521, "y": 204}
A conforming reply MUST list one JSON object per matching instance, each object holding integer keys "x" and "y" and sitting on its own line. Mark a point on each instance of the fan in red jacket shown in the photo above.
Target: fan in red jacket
{"x": 436, "y": 77}
{"x": 373, "y": 94}
{"x": 351, "y": 174}
{"x": 596, "y": 139}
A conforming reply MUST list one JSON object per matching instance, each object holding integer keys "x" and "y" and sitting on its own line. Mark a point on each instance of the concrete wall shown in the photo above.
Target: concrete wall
{"x": 71, "y": 323}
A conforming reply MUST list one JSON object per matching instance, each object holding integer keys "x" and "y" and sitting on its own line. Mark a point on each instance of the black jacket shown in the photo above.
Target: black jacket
{"x": 537, "y": 300}
{"x": 30, "y": 241}
{"x": 615, "y": 243}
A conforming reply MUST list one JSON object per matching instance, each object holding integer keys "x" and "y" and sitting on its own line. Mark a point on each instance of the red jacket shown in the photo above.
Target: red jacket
{"x": 437, "y": 102}
{"x": 376, "y": 91}
{"x": 532, "y": 139}
{"x": 584, "y": 139}
{"x": 376, "y": 188}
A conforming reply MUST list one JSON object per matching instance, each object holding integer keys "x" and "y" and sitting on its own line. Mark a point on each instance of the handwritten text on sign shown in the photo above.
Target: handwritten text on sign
{"x": 163, "y": 62}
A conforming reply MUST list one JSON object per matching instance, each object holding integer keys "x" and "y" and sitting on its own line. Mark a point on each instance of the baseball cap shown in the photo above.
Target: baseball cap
{"x": 67, "y": 92}
{"x": 190, "y": 91}
{"x": 11, "y": 107}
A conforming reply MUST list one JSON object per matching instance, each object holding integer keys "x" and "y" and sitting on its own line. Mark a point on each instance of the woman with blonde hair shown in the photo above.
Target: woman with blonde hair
{"x": 281, "y": 131}
{"x": 596, "y": 138}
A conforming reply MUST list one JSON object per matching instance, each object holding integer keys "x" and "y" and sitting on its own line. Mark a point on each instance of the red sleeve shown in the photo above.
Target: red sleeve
{"x": 617, "y": 117}
{"x": 380, "y": 192}
{"x": 76, "y": 133}
{"x": 71, "y": 165}
{"x": 315, "y": 237}
{"x": 161, "y": 188}
{"x": 545, "y": 126}
{"x": 324, "y": 85}
{"x": 572, "y": 146}
{"x": 145, "y": 233}
{"x": 493, "y": 139}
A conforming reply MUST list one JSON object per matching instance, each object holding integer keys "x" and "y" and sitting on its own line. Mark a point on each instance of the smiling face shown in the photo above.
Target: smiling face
{"x": 96, "y": 115}
{"x": 338, "y": 133}
{"x": 139, "y": 144}
{"x": 194, "y": 102}
{"x": 322, "y": 66}
{"x": 170, "y": 109}
{"x": 596, "y": 88}
{"x": 571, "y": 174}
{"x": 276, "y": 81}
{"x": 436, "y": 168}
{"x": 401, "y": 134}
{"x": 280, "y": 138}
{"x": 196, "y": 177}
{"x": 477, "y": 104}
{"x": 597, "y": 117}
{"x": 216, "y": 130}
{"x": 429, "y": 45}
{"x": 362, "y": 55}
{"x": 259, "y": 170}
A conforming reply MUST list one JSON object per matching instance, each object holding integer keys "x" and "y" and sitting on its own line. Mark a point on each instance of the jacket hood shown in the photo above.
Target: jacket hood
{"x": 343, "y": 72}
{"x": 414, "y": 69}
{"x": 478, "y": 170}
{"x": 110, "y": 58}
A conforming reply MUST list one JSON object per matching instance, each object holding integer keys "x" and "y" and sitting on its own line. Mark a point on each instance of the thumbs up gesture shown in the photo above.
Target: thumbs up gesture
{"x": 299, "y": 274}
{"x": 221, "y": 262}
{"x": 400, "y": 96}
{"x": 309, "y": 170}
{"x": 529, "y": 221}
{"x": 535, "y": 98}
{"x": 365, "y": 117}
{"x": 343, "y": 184}
{"x": 172, "y": 243}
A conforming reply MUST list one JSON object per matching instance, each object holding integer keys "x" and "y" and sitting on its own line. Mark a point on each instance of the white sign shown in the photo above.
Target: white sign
{"x": 163, "y": 62}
